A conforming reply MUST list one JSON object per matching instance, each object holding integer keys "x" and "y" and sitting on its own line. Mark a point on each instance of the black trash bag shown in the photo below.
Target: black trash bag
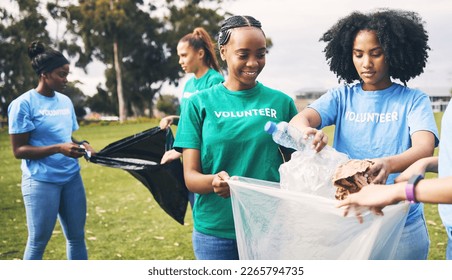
{"x": 140, "y": 155}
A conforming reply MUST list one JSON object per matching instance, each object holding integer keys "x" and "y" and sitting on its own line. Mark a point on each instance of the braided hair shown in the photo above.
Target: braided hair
{"x": 200, "y": 39}
{"x": 45, "y": 60}
{"x": 234, "y": 22}
{"x": 400, "y": 33}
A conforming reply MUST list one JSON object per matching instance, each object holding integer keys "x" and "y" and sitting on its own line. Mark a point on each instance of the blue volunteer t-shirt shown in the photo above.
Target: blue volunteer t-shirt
{"x": 49, "y": 120}
{"x": 445, "y": 162}
{"x": 375, "y": 124}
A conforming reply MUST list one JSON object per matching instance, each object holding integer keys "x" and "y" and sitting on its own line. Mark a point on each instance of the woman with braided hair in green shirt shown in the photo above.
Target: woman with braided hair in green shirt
{"x": 222, "y": 134}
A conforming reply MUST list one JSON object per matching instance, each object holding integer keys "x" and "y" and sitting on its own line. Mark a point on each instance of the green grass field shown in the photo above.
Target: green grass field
{"x": 124, "y": 222}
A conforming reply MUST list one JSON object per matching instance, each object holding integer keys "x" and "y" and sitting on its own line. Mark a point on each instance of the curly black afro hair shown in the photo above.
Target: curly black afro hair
{"x": 400, "y": 33}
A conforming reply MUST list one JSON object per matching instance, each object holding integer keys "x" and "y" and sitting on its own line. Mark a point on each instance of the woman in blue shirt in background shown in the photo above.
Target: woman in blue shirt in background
{"x": 41, "y": 122}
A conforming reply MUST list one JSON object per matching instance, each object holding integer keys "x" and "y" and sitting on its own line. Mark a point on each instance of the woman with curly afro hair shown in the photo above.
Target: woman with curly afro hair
{"x": 374, "y": 116}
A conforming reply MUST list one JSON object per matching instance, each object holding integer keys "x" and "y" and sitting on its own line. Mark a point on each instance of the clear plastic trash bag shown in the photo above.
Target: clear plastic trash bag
{"x": 312, "y": 173}
{"x": 301, "y": 221}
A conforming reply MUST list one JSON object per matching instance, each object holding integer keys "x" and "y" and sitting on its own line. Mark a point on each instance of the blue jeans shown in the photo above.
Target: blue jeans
{"x": 414, "y": 242}
{"x": 449, "y": 243}
{"x": 209, "y": 247}
{"x": 191, "y": 199}
{"x": 44, "y": 202}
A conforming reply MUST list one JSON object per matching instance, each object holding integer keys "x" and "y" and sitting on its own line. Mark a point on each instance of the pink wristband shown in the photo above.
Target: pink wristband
{"x": 409, "y": 188}
{"x": 409, "y": 191}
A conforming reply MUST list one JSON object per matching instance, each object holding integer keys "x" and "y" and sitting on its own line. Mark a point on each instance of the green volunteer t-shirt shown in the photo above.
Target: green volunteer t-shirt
{"x": 228, "y": 129}
{"x": 194, "y": 85}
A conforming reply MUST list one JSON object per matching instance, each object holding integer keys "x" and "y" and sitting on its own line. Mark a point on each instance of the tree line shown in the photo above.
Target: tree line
{"x": 135, "y": 40}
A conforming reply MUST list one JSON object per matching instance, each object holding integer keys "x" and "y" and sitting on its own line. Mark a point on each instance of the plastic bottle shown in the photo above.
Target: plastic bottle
{"x": 287, "y": 135}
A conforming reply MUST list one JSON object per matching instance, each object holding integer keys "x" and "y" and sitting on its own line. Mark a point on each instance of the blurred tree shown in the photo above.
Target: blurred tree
{"x": 103, "y": 102}
{"x": 168, "y": 104}
{"x": 17, "y": 31}
{"x": 106, "y": 28}
{"x": 136, "y": 40}
{"x": 77, "y": 97}
{"x": 20, "y": 24}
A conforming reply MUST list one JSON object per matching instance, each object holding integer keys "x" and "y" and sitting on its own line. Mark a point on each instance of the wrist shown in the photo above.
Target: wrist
{"x": 81, "y": 142}
{"x": 400, "y": 194}
{"x": 58, "y": 149}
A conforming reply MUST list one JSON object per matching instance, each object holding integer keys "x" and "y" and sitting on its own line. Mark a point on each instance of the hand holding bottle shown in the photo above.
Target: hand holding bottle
{"x": 289, "y": 136}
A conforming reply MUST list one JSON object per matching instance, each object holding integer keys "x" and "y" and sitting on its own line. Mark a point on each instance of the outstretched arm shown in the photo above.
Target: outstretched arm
{"x": 428, "y": 164}
{"x": 423, "y": 145}
{"x": 427, "y": 191}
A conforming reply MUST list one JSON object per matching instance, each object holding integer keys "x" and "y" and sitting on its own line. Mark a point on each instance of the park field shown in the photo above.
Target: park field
{"x": 124, "y": 222}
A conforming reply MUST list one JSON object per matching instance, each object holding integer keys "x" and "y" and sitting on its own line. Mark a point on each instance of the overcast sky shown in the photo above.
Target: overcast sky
{"x": 297, "y": 61}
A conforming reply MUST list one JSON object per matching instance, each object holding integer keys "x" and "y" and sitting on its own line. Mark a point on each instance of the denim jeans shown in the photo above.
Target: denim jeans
{"x": 44, "y": 202}
{"x": 208, "y": 247}
{"x": 449, "y": 243}
{"x": 191, "y": 199}
{"x": 414, "y": 242}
